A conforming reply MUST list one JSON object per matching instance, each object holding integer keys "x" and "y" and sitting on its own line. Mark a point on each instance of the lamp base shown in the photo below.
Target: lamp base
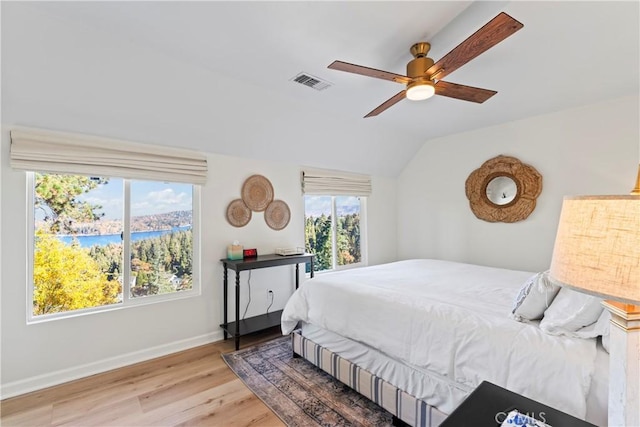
{"x": 636, "y": 189}
{"x": 624, "y": 364}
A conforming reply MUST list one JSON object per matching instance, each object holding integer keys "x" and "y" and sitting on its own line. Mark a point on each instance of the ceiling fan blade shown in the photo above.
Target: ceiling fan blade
{"x": 492, "y": 33}
{"x": 388, "y": 103}
{"x": 465, "y": 93}
{"x": 369, "y": 72}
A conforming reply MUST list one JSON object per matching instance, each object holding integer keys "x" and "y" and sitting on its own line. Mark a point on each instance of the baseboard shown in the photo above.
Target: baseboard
{"x": 39, "y": 382}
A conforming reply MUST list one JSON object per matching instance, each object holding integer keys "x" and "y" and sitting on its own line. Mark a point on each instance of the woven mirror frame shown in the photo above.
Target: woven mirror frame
{"x": 519, "y": 198}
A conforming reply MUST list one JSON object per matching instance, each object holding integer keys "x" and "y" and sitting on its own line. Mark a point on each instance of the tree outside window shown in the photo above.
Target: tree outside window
{"x": 333, "y": 230}
{"x": 80, "y": 241}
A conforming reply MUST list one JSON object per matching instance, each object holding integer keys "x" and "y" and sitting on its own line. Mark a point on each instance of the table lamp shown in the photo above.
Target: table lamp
{"x": 636, "y": 189}
{"x": 597, "y": 251}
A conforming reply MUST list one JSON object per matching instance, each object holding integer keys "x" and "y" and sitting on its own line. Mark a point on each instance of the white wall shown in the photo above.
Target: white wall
{"x": 67, "y": 76}
{"x": 588, "y": 150}
{"x": 62, "y": 74}
{"x": 47, "y": 353}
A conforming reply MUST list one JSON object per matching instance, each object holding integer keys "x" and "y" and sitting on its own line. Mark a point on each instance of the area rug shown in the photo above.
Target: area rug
{"x": 300, "y": 393}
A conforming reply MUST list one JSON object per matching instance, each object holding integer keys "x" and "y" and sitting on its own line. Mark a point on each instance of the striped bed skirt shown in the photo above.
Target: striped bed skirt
{"x": 409, "y": 409}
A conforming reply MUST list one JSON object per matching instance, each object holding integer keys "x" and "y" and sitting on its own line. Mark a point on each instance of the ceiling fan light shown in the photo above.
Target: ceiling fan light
{"x": 420, "y": 90}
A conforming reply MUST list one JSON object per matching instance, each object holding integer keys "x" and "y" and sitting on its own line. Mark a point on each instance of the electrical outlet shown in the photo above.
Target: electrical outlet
{"x": 269, "y": 293}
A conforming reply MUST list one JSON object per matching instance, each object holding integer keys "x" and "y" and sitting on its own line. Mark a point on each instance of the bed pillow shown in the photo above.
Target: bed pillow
{"x": 570, "y": 311}
{"x": 535, "y": 296}
{"x": 605, "y": 341}
{"x": 598, "y": 329}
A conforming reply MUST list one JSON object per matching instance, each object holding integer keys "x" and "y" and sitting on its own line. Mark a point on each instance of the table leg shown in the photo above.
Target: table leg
{"x": 237, "y": 310}
{"x": 225, "y": 283}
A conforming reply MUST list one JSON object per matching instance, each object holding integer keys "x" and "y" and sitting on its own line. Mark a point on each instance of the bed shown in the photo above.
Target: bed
{"x": 417, "y": 336}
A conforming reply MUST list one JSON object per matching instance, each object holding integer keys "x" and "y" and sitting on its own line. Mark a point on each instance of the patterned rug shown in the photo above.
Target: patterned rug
{"x": 300, "y": 393}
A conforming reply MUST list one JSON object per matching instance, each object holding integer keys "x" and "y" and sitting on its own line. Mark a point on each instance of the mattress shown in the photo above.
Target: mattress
{"x": 447, "y": 322}
{"x": 402, "y": 405}
{"x": 414, "y": 382}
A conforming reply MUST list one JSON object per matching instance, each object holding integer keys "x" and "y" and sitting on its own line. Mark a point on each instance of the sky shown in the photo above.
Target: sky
{"x": 318, "y": 205}
{"x": 147, "y": 197}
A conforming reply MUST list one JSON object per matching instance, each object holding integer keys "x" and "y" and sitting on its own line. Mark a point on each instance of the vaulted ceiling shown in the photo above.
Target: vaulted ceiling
{"x": 216, "y": 76}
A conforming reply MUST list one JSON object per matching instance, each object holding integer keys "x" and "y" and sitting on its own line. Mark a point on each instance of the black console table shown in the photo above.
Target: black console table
{"x": 264, "y": 321}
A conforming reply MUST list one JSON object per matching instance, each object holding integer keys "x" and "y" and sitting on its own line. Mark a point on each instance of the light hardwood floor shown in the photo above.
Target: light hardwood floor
{"x": 191, "y": 388}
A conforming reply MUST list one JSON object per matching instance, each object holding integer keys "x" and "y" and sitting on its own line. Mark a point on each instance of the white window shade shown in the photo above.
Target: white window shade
{"x": 335, "y": 183}
{"x": 64, "y": 153}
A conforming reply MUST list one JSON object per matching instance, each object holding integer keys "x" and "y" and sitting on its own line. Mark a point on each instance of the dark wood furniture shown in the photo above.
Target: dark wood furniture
{"x": 264, "y": 321}
{"x": 489, "y": 404}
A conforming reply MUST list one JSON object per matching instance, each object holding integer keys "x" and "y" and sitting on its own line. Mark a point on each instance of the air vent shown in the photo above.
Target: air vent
{"x": 311, "y": 81}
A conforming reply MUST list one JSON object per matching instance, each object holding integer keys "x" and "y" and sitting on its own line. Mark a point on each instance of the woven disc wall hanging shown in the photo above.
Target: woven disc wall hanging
{"x": 277, "y": 215}
{"x": 238, "y": 214}
{"x": 257, "y": 193}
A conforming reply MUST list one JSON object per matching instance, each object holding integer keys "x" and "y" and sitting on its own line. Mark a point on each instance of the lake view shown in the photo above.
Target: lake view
{"x": 105, "y": 239}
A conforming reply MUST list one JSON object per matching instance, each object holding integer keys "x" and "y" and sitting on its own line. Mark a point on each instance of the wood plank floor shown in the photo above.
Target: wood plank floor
{"x": 191, "y": 388}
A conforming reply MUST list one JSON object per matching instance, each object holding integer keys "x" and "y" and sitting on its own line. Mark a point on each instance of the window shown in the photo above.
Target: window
{"x": 335, "y": 214}
{"x": 333, "y": 230}
{"x": 100, "y": 243}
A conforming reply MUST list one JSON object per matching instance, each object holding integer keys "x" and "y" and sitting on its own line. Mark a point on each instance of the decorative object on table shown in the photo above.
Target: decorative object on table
{"x": 277, "y": 215}
{"x": 234, "y": 251}
{"x": 515, "y": 418}
{"x": 290, "y": 251}
{"x": 597, "y": 251}
{"x": 298, "y": 392}
{"x": 503, "y": 189}
{"x": 249, "y": 253}
{"x": 238, "y": 213}
{"x": 257, "y": 192}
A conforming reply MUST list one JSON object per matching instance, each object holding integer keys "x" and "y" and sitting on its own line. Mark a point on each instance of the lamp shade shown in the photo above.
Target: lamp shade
{"x": 597, "y": 247}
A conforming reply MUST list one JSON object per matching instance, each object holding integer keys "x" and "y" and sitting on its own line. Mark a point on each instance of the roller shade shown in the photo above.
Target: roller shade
{"x": 66, "y": 153}
{"x": 335, "y": 183}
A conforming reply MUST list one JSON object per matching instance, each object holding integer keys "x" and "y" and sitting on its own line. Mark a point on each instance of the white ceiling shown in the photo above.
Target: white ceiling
{"x": 568, "y": 54}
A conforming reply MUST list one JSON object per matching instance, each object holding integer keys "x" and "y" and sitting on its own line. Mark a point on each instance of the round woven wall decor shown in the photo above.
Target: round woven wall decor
{"x": 257, "y": 193}
{"x": 528, "y": 186}
{"x": 238, "y": 214}
{"x": 277, "y": 215}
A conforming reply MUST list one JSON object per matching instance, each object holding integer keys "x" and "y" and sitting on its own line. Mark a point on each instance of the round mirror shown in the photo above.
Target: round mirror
{"x": 501, "y": 190}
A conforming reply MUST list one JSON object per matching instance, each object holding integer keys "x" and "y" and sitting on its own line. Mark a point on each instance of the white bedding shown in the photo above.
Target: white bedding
{"x": 405, "y": 378}
{"x": 451, "y": 321}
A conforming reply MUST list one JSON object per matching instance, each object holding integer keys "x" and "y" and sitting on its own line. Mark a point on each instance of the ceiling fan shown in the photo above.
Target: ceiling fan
{"x": 423, "y": 78}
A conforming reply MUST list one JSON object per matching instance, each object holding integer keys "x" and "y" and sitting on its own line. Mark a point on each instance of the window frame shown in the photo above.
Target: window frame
{"x": 334, "y": 234}
{"x": 127, "y": 301}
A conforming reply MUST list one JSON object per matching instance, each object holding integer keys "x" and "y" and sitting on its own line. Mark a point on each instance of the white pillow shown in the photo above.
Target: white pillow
{"x": 600, "y": 328}
{"x": 534, "y": 298}
{"x": 605, "y": 341}
{"x": 597, "y": 329}
{"x": 570, "y": 311}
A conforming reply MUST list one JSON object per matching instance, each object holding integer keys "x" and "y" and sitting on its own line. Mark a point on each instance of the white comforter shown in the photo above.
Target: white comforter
{"x": 452, "y": 321}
